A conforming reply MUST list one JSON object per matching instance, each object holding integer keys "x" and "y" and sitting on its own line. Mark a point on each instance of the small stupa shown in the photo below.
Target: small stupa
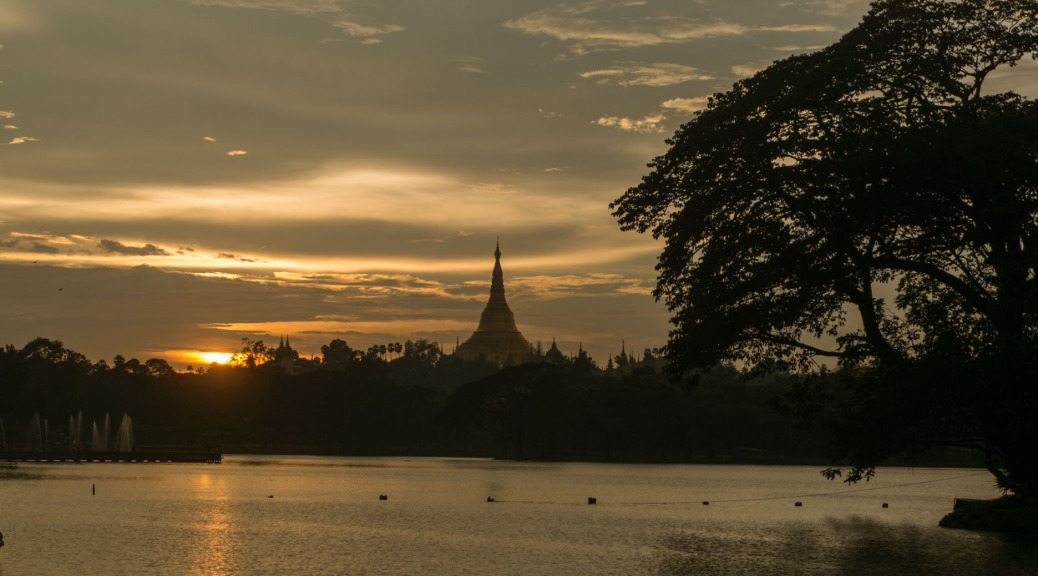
{"x": 496, "y": 339}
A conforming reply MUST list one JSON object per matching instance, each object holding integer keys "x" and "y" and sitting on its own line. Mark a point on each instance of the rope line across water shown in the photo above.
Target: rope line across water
{"x": 764, "y": 498}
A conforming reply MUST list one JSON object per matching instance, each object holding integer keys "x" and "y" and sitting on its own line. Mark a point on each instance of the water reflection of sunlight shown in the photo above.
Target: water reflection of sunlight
{"x": 212, "y": 531}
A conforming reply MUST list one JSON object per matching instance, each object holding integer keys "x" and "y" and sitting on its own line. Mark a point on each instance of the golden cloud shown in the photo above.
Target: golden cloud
{"x": 577, "y": 25}
{"x": 687, "y": 104}
{"x": 649, "y": 124}
{"x": 657, "y": 75}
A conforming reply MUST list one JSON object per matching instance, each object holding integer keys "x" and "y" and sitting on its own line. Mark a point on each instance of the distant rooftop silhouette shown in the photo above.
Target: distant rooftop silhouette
{"x": 496, "y": 339}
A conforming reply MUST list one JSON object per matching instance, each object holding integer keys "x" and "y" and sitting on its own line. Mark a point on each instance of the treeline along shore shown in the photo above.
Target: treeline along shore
{"x": 414, "y": 400}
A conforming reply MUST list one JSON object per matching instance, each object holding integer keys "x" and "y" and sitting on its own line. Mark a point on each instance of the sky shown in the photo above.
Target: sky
{"x": 177, "y": 175}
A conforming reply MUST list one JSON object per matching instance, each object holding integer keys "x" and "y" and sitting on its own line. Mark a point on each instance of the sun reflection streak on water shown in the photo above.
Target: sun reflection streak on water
{"x": 213, "y": 527}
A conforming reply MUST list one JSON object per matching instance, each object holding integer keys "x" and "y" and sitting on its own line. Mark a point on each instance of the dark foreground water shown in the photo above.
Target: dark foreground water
{"x": 325, "y": 517}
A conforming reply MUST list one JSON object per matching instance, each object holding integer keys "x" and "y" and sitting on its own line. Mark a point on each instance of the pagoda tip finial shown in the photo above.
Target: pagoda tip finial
{"x": 497, "y": 248}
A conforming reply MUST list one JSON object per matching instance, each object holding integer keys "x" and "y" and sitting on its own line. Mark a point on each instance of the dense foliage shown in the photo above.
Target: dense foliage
{"x": 875, "y": 204}
{"x": 419, "y": 403}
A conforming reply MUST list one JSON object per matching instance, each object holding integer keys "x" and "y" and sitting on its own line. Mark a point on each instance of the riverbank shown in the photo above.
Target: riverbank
{"x": 1009, "y": 514}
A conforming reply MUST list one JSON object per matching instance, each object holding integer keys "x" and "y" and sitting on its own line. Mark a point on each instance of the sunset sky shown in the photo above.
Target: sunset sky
{"x": 176, "y": 175}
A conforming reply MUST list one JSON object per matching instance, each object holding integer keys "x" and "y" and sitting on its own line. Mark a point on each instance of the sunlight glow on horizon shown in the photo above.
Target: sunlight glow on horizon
{"x": 213, "y": 357}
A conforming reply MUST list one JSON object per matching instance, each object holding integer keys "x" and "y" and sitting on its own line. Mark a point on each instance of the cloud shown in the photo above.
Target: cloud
{"x": 334, "y": 327}
{"x": 689, "y": 105}
{"x": 368, "y": 285}
{"x": 750, "y": 68}
{"x": 6, "y": 114}
{"x": 632, "y": 74}
{"x": 600, "y": 25}
{"x": 545, "y": 287}
{"x": 23, "y": 140}
{"x": 41, "y": 248}
{"x": 217, "y": 275}
{"x": 237, "y": 153}
{"x": 471, "y": 64}
{"x": 839, "y": 7}
{"x": 302, "y": 7}
{"x": 114, "y": 247}
{"x": 208, "y": 138}
{"x": 236, "y": 258}
{"x": 365, "y": 31}
{"x": 548, "y": 114}
{"x": 494, "y": 188}
{"x": 379, "y": 195}
{"x": 340, "y": 18}
{"x": 36, "y": 247}
{"x": 52, "y": 238}
{"x": 10, "y": 127}
{"x": 649, "y": 124}
{"x": 799, "y": 49}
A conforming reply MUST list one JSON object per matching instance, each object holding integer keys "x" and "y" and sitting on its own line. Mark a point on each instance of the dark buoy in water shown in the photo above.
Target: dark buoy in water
{"x": 885, "y": 505}
{"x": 798, "y": 503}
{"x": 383, "y": 497}
{"x": 706, "y": 503}
{"x": 591, "y": 500}
{"x": 490, "y": 498}
{"x": 93, "y": 489}
{"x": 271, "y": 496}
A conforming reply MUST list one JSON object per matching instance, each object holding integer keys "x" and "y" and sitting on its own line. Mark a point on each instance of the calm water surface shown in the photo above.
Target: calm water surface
{"x": 325, "y": 517}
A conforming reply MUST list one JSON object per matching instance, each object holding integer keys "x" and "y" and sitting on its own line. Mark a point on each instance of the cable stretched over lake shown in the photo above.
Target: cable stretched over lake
{"x": 765, "y": 498}
{"x": 855, "y": 491}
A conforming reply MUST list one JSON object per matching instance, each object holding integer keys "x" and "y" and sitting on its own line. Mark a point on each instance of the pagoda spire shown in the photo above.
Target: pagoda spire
{"x": 497, "y": 315}
{"x": 496, "y": 338}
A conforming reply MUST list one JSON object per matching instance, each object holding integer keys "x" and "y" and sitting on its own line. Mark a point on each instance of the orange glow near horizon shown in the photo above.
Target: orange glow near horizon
{"x": 211, "y": 357}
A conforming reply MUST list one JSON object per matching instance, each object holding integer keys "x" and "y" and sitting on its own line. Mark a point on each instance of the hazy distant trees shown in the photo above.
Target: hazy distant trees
{"x": 873, "y": 203}
{"x": 421, "y": 402}
{"x": 553, "y": 411}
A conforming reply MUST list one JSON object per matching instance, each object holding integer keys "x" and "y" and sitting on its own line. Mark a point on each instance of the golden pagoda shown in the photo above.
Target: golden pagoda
{"x": 496, "y": 339}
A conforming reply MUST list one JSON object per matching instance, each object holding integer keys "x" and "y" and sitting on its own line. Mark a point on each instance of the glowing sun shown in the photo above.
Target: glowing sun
{"x": 218, "y": 357}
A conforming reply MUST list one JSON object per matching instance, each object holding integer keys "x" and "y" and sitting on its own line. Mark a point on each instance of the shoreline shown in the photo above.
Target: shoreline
{"x": 1007, "y": 515}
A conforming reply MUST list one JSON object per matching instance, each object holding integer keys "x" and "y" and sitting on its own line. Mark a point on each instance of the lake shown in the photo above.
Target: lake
{"x": 255, "y": 515}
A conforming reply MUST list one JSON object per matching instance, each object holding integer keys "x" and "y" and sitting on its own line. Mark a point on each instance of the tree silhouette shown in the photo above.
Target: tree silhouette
{"x": 253, "y": 353}
{"x": 159, "y": 367}
{"x": 337, "y": 354}
{"x": 870, "y": 203}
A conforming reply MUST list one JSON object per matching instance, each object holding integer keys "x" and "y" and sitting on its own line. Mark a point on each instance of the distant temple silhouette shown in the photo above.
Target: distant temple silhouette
{"x": 496, "y": 339}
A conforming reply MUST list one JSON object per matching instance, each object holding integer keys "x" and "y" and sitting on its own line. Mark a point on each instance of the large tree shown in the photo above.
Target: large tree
{"x": 873, "y": 204}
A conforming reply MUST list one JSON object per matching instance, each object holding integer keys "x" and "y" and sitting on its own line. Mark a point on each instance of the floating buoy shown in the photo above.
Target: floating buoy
{"x": 705, "y": 503}
{"x": 93, "y": 489}
{"x": 383, "y": 497}
{"x": 490, "y": 498}
{"x": 271, "y": 496}
{"x": 885, "y": 505}
{"x": 798, "y": 503}
{"x": 591, "y": 500}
